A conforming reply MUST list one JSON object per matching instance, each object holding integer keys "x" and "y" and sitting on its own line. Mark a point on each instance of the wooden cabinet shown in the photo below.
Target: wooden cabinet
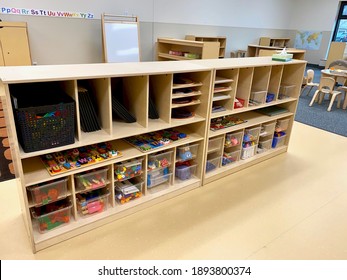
{"x": 14, "y": 44}
{"x": 177, "y": 49}
{"x": 166, "y": 83}
{"x": 221, "y": 39}
{"x": 193, "y": 88}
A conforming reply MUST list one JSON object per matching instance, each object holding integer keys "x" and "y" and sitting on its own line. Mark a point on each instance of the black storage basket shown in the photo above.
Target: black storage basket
{"x": 44, "y": 115}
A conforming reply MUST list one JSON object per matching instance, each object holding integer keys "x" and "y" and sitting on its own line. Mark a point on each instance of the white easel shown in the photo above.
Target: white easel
{"x": 120, "y": 37}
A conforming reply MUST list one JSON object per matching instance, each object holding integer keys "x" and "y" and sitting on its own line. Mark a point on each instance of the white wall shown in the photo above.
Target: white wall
{"x": 315, "y": 15}
{"x": 268, "y": 14}
{"x": 62, "y": 40}
{"x": 141, "y": 8}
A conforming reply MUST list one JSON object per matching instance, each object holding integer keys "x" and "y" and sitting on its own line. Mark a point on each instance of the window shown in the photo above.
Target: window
{"x": 340, "y": 32}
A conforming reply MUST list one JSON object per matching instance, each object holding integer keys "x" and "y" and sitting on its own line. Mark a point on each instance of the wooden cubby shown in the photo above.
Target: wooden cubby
{"x": 162, "y": 81}
{"x": 221, "y": 39}
{"x": 261, "y": 74}
{"x": 279, "y": 42}
{"x": 179, "y": 49}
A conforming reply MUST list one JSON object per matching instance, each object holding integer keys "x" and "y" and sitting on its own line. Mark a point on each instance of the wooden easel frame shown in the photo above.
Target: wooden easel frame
{"x": 123, "y": 19}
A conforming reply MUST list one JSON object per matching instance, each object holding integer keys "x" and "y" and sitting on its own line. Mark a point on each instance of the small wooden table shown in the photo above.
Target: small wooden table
{"x": 338, "y": 73}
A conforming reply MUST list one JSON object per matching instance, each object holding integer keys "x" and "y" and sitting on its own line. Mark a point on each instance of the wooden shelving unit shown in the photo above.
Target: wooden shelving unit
{"x": 178, "y": 49}
{"x": 166, "y": 83}
{"x": 255, "y": 50}
{"x": 251, "y": 80}
{"x": 279, "y": 42}
{"x": 221, "y": 39}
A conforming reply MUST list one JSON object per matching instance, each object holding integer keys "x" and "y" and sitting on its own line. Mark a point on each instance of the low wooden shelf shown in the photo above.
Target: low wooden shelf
{"x": 179, "y": 49}
{"x": 221, "y": 39}
{"x": 160, "y": 80}
{"x": 256, "y": 50}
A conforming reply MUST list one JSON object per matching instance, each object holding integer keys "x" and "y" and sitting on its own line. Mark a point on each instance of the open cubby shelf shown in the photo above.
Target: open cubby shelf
{"x": 191, "y": 156}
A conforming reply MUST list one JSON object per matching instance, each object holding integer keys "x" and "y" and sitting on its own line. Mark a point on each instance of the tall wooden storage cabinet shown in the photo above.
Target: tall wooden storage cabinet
{"x": 14, "y": 44}
{"x": 206, "y": 84}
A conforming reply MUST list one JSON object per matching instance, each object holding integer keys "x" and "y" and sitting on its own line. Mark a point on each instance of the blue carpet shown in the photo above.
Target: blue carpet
{"x": 334, "y": 121}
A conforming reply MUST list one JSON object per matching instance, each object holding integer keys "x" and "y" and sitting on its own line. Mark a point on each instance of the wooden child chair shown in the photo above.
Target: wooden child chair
{"x": 309, "y": 81}
{"x": 326, "y": 86}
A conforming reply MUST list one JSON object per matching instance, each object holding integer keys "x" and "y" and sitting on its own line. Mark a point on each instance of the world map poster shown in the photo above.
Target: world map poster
{"x": 308, "y": 40}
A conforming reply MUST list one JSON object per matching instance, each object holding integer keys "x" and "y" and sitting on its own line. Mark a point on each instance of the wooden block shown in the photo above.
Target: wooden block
{"x": 6, "y": 143}
{"x": 8, "y": 154}
{"x": 2, "y": 122}
{"x": 3, "y": 132}
{"x": 11, "y": 168}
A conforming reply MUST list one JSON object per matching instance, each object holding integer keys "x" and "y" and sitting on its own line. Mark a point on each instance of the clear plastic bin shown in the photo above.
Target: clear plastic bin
{"x": 231, "y": 157}
{"x": 267, "y": 129}
{"x": 212, "y": 164}
{"x": 282, "y": 125}
{"x": 278, "y": 141}
{"x": 160, "y": 160}
{"x": 187, "y": 152}
{"x": 251, "y": 134}
{"x": 157, "y": 177}
{"x": 264, "y": 146}
{"x": 92, "y": 202}
{"x": 215, "y": 144}
{"x": 257, "y": 97}
{"x": 48, "y": 192}
{"x": 126, "y": 191}
{"x": 248, "y": 152}
{"x": 93, "y": 179}
{"x": 184, "y": 172}
{"x": 286, "y": 91}
{"x": 53, "y": 215}
{"x": 127, "y": 170}
{"x": 233, "y": 139}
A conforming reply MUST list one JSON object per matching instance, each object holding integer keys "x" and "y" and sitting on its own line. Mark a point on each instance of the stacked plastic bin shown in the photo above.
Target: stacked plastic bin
{"x": 128, "y": 180}
{"x": 280, "y": 133}
{"x": 185, "y": 167}
{"x": 51, "y": 208}
{"x": 92, "y": 193}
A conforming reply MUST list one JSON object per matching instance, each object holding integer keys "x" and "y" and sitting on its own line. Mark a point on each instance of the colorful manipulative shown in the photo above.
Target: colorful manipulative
{"x": 126, "y": 191}
{"x": 48, "y": 192}
{"x": 157, "y": 139}
{"x": 91, "y": 202}
{"x": 64, "y": 161}
{"x": 52, "y": 215}
{"x": 128, "y": 170}
{"x": 92, "y": 179}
